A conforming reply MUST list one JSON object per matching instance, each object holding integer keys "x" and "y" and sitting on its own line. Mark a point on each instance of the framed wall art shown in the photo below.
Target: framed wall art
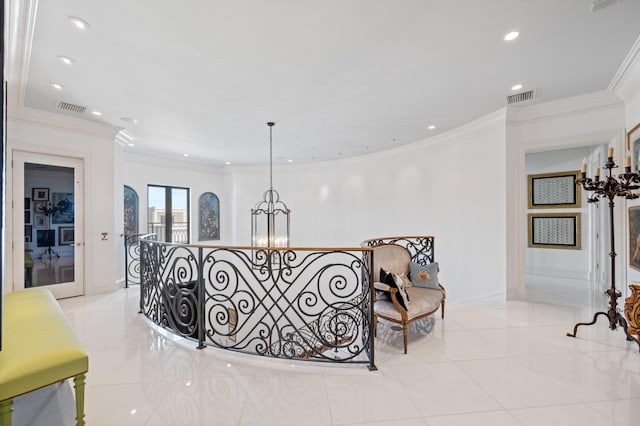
{"x": 554, "y": 190}
{"x": 40, "y": 221}
{"x": 65, "y": 236}
{"x": 63, "y": 204}
{"x": 40, "y": 194}
{"x": 634, "y": 237}
{"x": 555, "y": 230}
{"x": 633, "y": 146}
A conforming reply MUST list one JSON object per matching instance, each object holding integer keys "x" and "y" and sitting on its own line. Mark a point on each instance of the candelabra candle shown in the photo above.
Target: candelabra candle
{"x": 610, "y": 187}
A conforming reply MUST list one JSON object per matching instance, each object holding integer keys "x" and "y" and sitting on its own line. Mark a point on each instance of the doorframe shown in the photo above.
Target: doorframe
{"x": 517, "y": 196}
{"x": 17, "y": 244}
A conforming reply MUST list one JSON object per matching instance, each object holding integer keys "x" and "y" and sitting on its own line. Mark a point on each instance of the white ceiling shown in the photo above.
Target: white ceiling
{"x": 339, "y": 77}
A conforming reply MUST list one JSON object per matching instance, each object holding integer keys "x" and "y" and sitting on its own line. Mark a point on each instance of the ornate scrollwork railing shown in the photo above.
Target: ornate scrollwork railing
{"x": 306, "y": 304}
{"x": 132, "y": 257}
{"x": 420, "y": 247}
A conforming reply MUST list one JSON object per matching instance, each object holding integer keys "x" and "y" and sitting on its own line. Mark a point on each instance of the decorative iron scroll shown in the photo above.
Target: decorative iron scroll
{"x": 132, "y": 257}
{"x": 306, "y": 304}
{"x": 420, "y": 247}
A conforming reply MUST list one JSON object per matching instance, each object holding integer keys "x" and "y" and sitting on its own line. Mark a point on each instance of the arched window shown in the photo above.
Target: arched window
{"x": 130, "y": 210}
{"x": 209, "y": 217}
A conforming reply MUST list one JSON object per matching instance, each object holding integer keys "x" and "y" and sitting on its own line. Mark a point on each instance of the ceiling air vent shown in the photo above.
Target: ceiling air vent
{"x": 597, "y": 5}
{"x": 66, "y": 106}
{"x": 521, "y": 97}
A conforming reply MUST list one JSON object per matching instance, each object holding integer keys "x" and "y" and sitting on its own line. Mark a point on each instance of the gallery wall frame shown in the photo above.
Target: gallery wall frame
{"x": 66, "y": 236}
{"x": 555, "y": 230}
{"x": 634, "y": 237}
{"x": 554, "y": 190}
{"x": 40, "y": 194}
{"x": 633, "y": 145}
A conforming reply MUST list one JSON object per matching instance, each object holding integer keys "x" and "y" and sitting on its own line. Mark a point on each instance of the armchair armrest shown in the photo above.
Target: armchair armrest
{"x": 384, "y": 287}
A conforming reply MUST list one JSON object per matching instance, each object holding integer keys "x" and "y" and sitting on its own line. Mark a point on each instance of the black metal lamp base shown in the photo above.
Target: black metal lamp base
{"x": 615, "y": 318}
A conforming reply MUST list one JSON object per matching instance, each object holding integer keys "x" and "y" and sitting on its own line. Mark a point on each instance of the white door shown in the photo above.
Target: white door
{"x": 48, "y": 223}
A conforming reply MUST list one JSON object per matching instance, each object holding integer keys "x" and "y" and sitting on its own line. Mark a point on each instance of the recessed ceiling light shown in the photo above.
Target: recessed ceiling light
{"x": 131, "y": 144}
{"x": 511, "y": 36}
{"x": 228, "y": 163}
{"x": 56, "y": 86}
{"x": 516, "y": 87}
{"x": 432, "y": 127}
{"x": 79, "y": 23}
{"x": 290, "y": 160}
{"x": 129, "y": 120}
{"x": 98, "y": 113}
{"x": 186, "y": 155}
{"x": 67, "y": 60}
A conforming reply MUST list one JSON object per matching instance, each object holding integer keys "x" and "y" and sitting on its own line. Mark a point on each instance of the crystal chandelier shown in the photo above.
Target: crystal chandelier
{"x": 270, "y": 217}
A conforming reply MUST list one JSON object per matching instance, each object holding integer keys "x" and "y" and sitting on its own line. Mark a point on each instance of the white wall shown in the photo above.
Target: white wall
{"x": 451, "y": 187}
{"x": 45, "y": 133}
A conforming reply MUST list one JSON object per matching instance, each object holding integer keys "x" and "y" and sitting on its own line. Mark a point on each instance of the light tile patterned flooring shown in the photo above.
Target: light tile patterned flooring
{"x": 489, "y": 362}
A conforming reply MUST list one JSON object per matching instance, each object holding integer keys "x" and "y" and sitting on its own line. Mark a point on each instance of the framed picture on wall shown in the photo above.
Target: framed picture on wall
{"x": 633, "y": 146}
{"x": 65, "y": 236}
{"x": 634, "y": 237}
{"x": 27, "y": 217}
{"x": 40, "y": 194}
{"x": 554, "y": 190}
{"x": 28, "y": 233}
{"x": 40, "y": 221}
{"x": 555, "y": 230}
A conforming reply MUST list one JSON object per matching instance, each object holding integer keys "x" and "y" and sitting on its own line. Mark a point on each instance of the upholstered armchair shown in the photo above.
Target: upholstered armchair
{"x": 402, "y": 300}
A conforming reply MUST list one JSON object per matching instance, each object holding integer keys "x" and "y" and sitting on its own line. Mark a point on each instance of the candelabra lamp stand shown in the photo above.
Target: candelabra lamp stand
{"x": 609, "y": 188}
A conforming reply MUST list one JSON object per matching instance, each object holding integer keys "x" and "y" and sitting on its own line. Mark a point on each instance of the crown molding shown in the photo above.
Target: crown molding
{"x": 626, "y": 81}
{"x": 47, "y": 119}
{"x": 161, "y": 160}
{"x": 565, "y": 107}
{"x": 20, "y": 28}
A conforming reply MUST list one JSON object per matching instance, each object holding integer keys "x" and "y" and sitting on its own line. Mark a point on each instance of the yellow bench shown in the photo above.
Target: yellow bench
{"x": 39, "y": 348}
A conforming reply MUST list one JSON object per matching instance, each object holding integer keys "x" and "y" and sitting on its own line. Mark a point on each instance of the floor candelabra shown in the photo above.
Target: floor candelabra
{"x": 609, "y": 188}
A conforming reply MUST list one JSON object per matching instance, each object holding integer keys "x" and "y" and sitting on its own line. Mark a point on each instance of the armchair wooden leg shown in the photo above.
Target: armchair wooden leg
{"x": 442, "y": 310}
{"x": 405, "y": 333}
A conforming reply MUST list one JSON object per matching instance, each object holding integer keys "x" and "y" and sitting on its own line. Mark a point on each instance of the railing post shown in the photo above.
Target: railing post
{"x": 370, "y": 313}
{"x": 126, "y": 261}
{"x": 201, "y": 301}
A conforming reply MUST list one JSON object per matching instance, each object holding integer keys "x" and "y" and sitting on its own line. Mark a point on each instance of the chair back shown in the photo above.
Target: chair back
{"x": 392, "y": 257}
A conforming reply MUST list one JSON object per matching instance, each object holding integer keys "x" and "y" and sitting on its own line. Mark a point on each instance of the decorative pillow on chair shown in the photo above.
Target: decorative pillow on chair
{"x": 424, "y": 276}
{"x": 396, "y": 281}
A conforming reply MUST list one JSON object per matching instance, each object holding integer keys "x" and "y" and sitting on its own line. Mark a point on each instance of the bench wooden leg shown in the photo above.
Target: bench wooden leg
{"x": 6, "y": 407}
{"x": 78, "y": 384}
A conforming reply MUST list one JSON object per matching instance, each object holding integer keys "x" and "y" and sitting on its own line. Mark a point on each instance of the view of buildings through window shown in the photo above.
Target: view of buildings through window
{"x": 168, "y": 213}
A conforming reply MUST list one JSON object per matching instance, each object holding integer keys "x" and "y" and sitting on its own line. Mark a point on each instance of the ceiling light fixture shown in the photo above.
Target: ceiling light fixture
{"x": 97, "y": 113}
{"x": 511, "y": 36}
{"x": 228, "y": 163}
{"x": 67, "y": 60}
{"x": 56, "y": 86}
{"x": 129, "y": 120}
{"x": 516, "y": 87}
{"x": 270, "y": 217}
{"x": 431, "y": 127}
{"x": 79, "y": 23}
{"x": 185, "y": 155}
{"x": 131, "y": 144}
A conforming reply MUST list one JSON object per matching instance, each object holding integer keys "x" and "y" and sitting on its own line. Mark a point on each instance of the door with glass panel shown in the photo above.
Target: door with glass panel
{"x": 168, "y": 213}
{"x": 48, "y": 210}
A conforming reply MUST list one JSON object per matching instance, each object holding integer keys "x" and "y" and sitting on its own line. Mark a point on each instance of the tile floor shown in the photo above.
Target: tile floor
{"x": 490, "y": 362}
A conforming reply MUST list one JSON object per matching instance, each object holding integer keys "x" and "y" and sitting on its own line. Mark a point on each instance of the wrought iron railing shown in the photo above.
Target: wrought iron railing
{"x": 420, "y": 247}
{"x": 132, "y": 257}
{"x": 303, "y": 304}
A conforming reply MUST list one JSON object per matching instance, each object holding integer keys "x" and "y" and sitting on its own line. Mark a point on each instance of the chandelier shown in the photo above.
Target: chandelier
{"x": 270, "y": 217}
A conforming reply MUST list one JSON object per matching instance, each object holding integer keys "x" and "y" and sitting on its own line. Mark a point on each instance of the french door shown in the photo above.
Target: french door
{"x": 48, "y": 213}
